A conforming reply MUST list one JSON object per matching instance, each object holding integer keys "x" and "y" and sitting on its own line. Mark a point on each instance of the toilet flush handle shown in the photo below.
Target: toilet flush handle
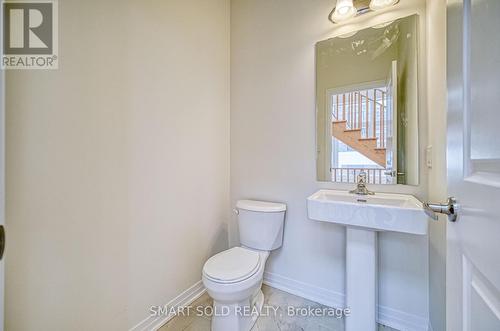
{"x": 236, "y": 211}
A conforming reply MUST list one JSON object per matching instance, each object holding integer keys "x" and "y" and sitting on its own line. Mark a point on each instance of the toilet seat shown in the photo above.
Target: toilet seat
{"x": 232, "y": 266}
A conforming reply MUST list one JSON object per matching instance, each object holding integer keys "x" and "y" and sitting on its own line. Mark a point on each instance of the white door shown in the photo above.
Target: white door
{"x": 473, "y": 154}
{"x": 391, "y": 129}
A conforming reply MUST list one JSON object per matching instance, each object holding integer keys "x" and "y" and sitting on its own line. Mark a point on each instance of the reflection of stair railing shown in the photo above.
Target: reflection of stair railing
{"x": 365, "y": 111}
{"x": 349, "y": 175}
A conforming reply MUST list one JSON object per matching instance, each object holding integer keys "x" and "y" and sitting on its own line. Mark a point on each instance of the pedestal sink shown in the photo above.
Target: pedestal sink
{"x": 364, "y": 216}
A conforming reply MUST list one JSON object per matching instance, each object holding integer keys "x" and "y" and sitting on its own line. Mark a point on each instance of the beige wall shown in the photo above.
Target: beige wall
{"x": 117, "y": 164}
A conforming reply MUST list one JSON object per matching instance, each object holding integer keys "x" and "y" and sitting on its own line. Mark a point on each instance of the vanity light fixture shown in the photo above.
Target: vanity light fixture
{"x": 346, "y": 9}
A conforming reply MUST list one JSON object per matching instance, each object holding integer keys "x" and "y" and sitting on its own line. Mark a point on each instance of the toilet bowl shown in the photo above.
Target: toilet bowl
{"x": 233, "y": 278}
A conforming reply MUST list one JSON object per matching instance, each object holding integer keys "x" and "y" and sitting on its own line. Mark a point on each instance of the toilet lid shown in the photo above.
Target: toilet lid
{"x": 232, "y": 265}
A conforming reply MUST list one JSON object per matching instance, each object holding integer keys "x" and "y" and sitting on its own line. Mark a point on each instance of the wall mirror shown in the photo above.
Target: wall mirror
{"x": 367, "y": 105}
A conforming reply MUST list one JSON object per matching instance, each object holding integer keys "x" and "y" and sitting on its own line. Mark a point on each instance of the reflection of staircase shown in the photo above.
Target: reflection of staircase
{"x": 352, "y": 138}
{"x": 358, "y": 122}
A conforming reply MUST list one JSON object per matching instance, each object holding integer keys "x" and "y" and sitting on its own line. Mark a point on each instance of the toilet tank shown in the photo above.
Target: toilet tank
{"x": 261, "y": 224}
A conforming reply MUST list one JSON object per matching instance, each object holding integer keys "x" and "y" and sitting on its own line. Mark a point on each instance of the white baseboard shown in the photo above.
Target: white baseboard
{"x": 153, "y": 323}
{"x": 387, "y": 316}
{"x": 307, "y": 291}
{"x": 390, "y": 317}
{"x": 400, "y": 320}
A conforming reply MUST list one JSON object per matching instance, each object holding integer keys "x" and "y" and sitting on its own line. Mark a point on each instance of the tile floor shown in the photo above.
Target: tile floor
{"x": 278, "y": 322}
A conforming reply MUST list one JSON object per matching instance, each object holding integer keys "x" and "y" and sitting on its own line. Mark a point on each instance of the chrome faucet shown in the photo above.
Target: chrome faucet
{"x": 361, "y": 188}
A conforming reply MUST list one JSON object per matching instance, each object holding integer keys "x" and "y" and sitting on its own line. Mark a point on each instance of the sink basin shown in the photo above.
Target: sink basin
{"x": 379, "y": 212}
{"x": 364, "y": 216}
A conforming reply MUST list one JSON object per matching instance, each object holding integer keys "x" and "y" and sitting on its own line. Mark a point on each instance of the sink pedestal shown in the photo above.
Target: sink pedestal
{"x": 361, "y": 279}
{"x": 363, "y": 217}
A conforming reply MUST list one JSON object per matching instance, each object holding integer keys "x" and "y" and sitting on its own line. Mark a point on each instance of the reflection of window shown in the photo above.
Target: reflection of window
{"x": 361, "y": 133}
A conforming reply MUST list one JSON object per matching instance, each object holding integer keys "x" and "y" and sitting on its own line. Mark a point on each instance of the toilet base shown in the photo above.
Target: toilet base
{"x": 239, "y": 316}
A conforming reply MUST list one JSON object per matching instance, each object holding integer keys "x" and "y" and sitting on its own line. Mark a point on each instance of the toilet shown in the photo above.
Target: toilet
{"x": 233, "y": 278}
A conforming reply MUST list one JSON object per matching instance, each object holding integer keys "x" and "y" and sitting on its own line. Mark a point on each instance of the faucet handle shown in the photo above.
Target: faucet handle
{"x": 361, "y": 177}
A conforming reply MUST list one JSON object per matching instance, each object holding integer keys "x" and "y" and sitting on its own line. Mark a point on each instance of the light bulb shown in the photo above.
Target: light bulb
{"x": 344, "y": 10}
{"x": 380, "y": 4}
